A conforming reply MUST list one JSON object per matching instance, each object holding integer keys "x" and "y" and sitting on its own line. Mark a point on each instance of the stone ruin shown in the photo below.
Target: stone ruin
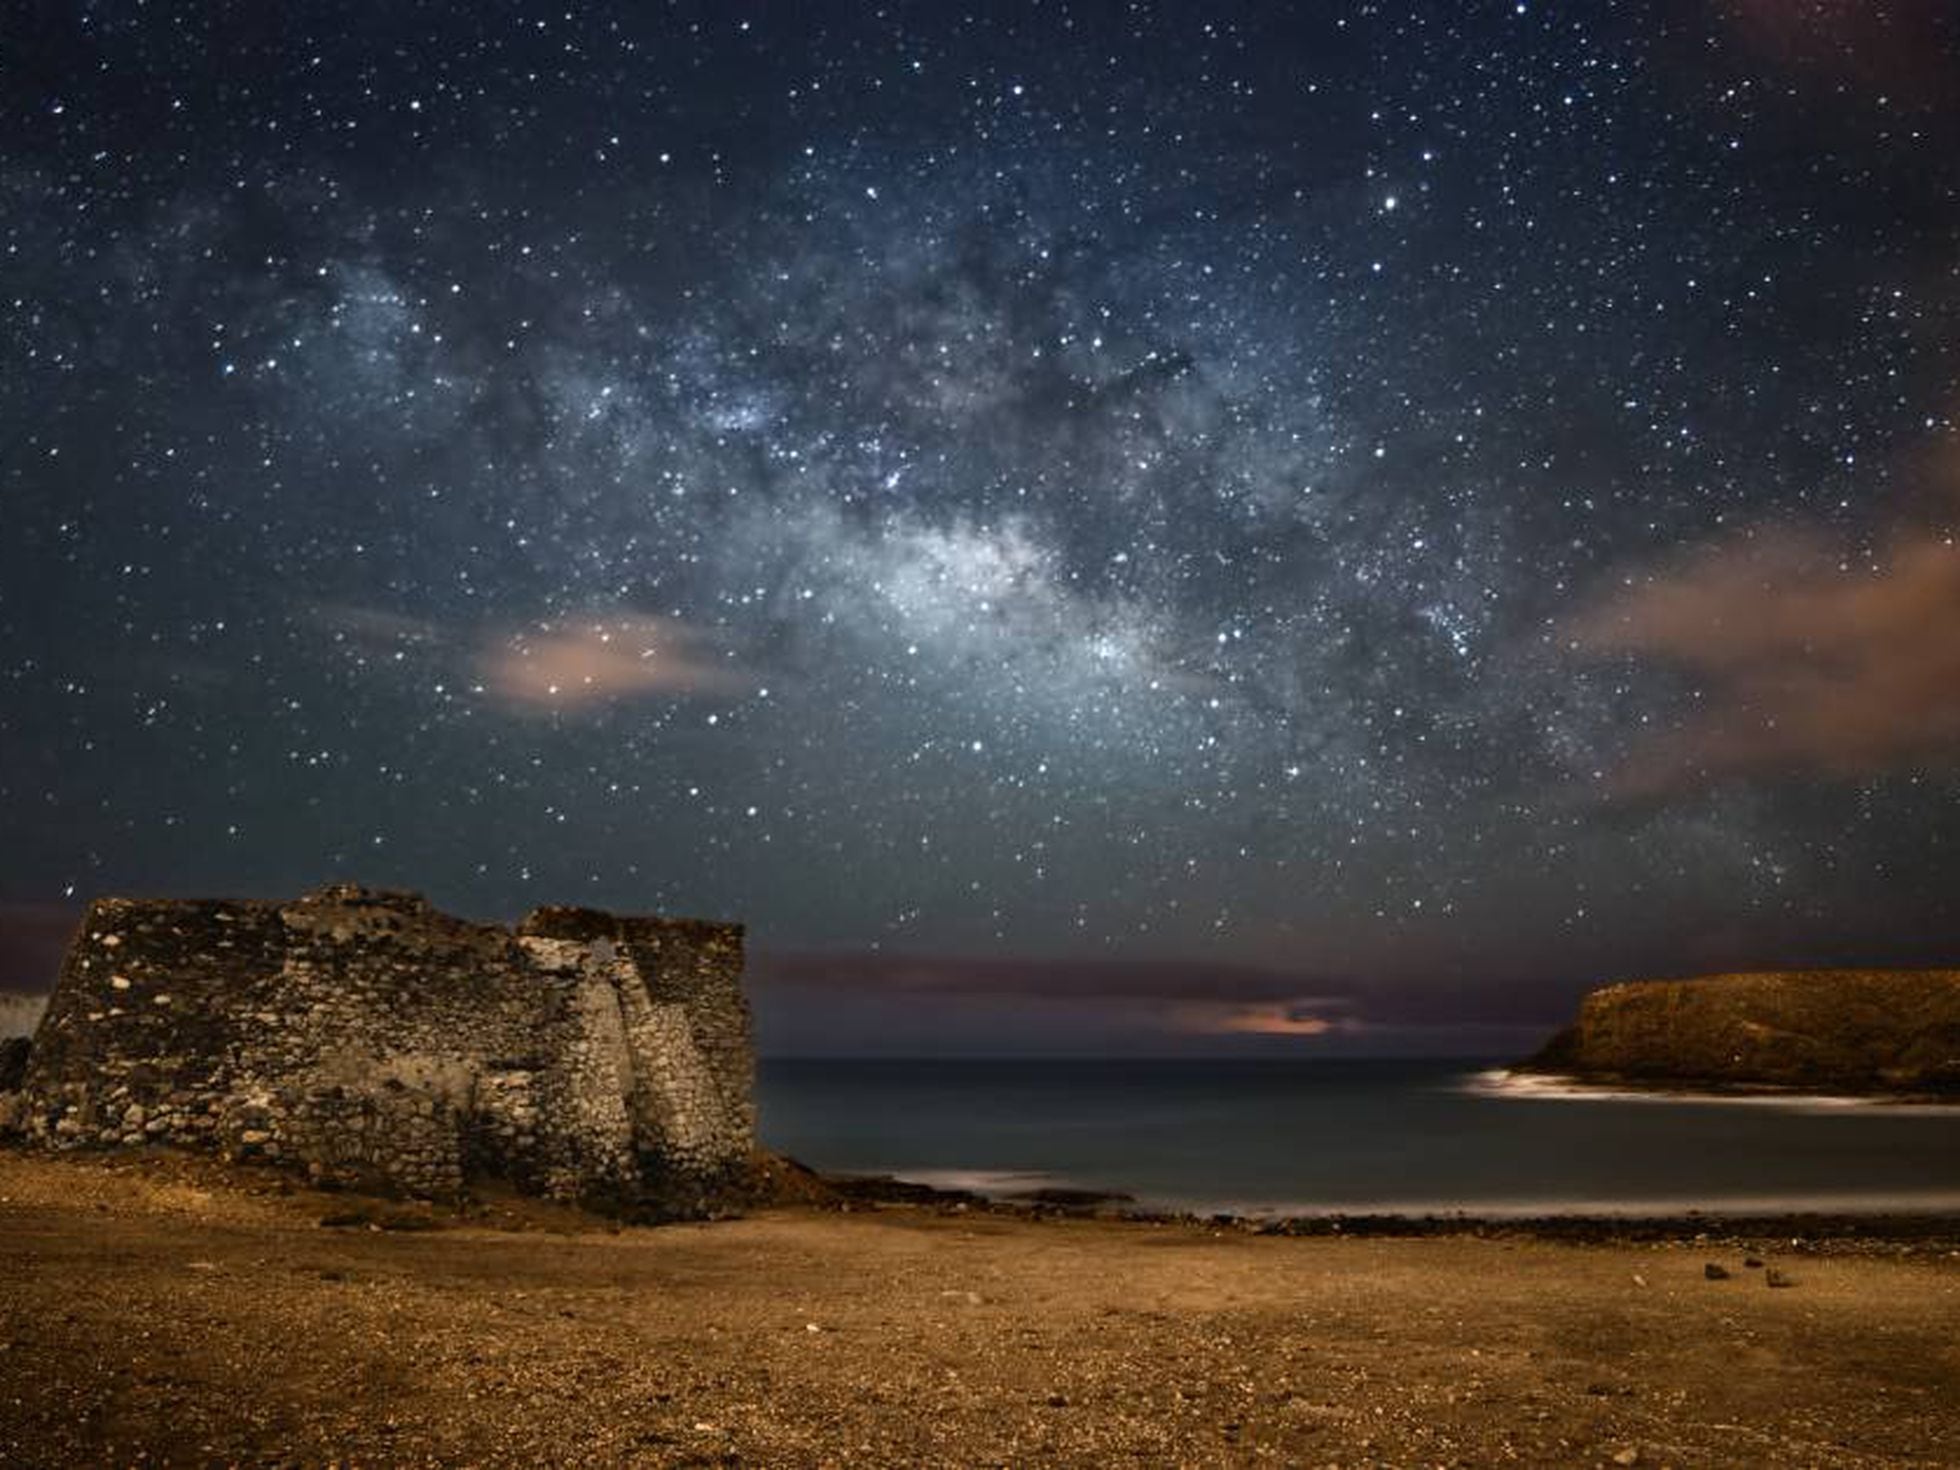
{"x": 369, "y": 1041}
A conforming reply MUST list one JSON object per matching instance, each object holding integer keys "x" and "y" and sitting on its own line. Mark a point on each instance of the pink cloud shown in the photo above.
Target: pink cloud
{"x": 578, "y": 663}
{"x": 1895, "y": 50}
{"x": 1803, "y": 659}
{"x": 563, "y": 664}
{"x": 1297, "y": 1018}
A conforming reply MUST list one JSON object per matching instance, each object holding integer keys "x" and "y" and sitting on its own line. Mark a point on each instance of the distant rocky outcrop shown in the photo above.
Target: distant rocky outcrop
{"x": 1839, "y": 1031}
{"x": 367, "y": 1040}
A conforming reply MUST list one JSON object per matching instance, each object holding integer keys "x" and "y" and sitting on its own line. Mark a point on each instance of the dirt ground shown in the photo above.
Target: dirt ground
{"x": 163, "y": 1314}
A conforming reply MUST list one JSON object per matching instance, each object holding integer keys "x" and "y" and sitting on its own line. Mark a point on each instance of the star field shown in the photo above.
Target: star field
{"x": 1265, "y": 486}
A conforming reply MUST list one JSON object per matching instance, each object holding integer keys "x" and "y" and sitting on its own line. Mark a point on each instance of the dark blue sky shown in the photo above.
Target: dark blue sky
{"x": 1173, "y": 525}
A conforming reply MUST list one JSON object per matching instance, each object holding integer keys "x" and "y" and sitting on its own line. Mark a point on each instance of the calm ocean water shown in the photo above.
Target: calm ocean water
{"x": 1311, "y": 1136}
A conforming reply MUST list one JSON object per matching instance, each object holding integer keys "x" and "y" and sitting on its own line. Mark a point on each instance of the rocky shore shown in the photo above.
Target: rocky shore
{"x": 1890, "y": 1232}
{"x": 166, "y": 1310}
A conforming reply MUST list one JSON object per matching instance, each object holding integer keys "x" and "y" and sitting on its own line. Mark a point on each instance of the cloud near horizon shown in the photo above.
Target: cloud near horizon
{"x": 1290, "y": 1019}
{"x": 1185, "y": 997}
{"x": 1801, "y": 660}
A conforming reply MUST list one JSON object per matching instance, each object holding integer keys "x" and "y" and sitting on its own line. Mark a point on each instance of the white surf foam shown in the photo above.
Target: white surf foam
{"x": 1546, "y": 1087}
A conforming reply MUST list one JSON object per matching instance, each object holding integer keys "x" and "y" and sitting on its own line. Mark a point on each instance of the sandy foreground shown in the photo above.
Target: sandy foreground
{"x": 167, "y": 1313}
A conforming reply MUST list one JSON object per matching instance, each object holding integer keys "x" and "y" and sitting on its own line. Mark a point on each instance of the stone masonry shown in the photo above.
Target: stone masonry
{"x": 370, "y": 1041}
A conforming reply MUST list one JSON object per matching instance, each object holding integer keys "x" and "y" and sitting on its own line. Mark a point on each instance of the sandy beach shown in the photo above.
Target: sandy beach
{"x": 164, "y": 1312}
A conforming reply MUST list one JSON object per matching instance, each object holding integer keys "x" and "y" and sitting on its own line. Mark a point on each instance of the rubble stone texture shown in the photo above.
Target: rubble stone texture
{"x": 370, "y": 1041}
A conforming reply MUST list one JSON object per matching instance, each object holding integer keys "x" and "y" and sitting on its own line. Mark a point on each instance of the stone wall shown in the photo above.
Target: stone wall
{"x": 369, "y": 1040}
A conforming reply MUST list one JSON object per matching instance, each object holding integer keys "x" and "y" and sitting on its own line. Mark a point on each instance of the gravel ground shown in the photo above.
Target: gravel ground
{"x": 166, "y": 1313}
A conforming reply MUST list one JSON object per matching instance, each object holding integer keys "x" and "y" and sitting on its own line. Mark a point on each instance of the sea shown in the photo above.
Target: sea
{"x": 1272, "y": 1136}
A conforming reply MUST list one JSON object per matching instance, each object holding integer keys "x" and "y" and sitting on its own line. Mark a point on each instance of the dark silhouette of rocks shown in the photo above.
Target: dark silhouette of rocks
{"x": 1838, "y": 1031}
{"x": 13, "y": 1062}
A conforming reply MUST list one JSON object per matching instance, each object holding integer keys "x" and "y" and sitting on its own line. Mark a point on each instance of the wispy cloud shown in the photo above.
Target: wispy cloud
{"x": 555, "y": 665}
{"x": 927, "y": 1004}
{"x": 373, "y": 627}
{"x": 574, "y": 664}
{"x": 1802, "y": 659}
{"x": 1022, "y": 977}
{"x": 1297, "y": 1018}
{"x": 1895, "y": 49}
{"x": 1187, "y": 997}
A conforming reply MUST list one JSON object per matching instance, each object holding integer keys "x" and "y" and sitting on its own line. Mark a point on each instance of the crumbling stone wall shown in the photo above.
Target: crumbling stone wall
{"x": 369, "y": 1040}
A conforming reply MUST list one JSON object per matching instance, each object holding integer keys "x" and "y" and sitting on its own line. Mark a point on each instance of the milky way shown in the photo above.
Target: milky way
{"x": 1238, "y": 487}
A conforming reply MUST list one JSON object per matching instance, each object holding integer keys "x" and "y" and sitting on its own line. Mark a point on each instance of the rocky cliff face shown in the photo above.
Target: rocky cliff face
{"x": 1854, "y": 1031}
{"x": 369, "y": 1040}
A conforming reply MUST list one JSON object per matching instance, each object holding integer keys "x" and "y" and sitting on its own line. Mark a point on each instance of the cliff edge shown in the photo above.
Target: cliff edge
{"x": 1842, "y": 1031}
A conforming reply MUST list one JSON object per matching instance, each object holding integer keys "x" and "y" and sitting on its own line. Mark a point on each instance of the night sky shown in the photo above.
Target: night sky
{"x": 1172, "y": 526}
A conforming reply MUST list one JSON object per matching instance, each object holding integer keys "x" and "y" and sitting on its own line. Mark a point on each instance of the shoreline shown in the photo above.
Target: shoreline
{"x": 1934, "y": 1229}
{"x": 788, "y": 1184}
{"x": 1464, "y": 1140}
{"x": 174, "y": 1311}
{"x": 1029, "y": 1187}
